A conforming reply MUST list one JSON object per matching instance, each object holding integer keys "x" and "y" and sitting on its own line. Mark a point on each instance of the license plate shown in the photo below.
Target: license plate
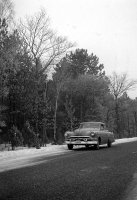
{"x": 78, "y": 141}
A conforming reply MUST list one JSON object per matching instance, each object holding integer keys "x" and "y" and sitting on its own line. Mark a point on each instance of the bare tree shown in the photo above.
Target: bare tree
{"x": 43, "y": 45}
{"x": 6, "y": 10}
{"x": 120, "y": 84}
{"x": 41, "y": 41}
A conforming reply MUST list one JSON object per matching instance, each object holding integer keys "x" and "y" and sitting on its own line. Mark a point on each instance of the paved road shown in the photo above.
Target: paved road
{"x": 107, "y": 174}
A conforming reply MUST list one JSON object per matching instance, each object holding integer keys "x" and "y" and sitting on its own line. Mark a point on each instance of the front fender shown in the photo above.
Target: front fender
{"x": 68, "y": 133}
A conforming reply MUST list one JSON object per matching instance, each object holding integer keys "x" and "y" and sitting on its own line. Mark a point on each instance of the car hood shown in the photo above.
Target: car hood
{"x": 84, "y": 131}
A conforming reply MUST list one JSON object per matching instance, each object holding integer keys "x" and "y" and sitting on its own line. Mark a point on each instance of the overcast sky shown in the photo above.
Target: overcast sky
{"x": 108, "y": 28}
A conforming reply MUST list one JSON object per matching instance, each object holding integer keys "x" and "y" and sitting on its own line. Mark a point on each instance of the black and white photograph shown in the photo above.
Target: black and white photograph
{"x": 68, "y": 100}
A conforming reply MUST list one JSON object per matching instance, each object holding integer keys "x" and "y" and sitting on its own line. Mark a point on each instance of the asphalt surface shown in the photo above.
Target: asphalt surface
{"x": 84, "y": 174}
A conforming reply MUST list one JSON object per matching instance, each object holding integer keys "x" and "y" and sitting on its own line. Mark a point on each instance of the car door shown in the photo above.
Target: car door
{"x": 103, "y": 133}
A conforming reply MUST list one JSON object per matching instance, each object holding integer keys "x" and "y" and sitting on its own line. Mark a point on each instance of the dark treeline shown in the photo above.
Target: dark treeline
{"x": 36, "y": 110}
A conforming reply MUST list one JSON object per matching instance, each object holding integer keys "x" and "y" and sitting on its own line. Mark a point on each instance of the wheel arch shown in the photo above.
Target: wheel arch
{"x": 99, "y": 140}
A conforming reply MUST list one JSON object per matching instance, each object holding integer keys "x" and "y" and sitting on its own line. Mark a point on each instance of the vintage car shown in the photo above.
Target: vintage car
{"x": 89, "y": 134}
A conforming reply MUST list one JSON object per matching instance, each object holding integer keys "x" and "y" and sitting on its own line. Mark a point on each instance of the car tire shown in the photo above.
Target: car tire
{"x": 109, "y": 144}
{"x": 70, "y": 146}
{"x": 87, "y": 146}
{"x": 97, "y": 146}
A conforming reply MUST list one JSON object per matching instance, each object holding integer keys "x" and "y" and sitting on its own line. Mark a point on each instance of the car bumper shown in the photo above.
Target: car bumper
{"x": 82, "y": 142}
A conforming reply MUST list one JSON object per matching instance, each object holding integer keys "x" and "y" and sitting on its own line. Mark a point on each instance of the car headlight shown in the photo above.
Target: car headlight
{"x": 92, "y": 134}
{"x": 67, "y": 135}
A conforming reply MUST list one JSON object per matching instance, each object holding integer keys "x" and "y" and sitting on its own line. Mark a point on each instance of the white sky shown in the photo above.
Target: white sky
{"x": 108, "y": 28}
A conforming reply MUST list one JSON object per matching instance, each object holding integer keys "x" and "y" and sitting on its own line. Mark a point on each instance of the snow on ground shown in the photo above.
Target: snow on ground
{"x": 32, "y": 152}
{"x": 25, "y": 156}
{"x": 48, "y": 150}
{"x": 125, "y": 140}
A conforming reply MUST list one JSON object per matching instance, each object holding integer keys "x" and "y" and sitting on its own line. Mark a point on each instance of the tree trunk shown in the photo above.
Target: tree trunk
{"x": 44, "y": 135}
{"x": 81, "y": 112}
{"x": 55, "y": 118}
{"x": 135, "y": 117}
{"x": 117, "y": 119}
{"x": 128, "y": 125}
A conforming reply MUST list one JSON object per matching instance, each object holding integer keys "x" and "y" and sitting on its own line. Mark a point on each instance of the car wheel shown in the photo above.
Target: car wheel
{"x": 87, "y": 146}
{"x": 109, "y": 144}
{"x": 97, "y": 146}
{"x": 70, "y": 146}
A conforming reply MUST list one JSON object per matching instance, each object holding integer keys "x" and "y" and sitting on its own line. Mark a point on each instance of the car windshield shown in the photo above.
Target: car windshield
{"x": 90, "y": 125}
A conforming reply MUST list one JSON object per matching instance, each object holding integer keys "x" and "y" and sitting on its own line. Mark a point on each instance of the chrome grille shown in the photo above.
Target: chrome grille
{"x": 76, "y": 138}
